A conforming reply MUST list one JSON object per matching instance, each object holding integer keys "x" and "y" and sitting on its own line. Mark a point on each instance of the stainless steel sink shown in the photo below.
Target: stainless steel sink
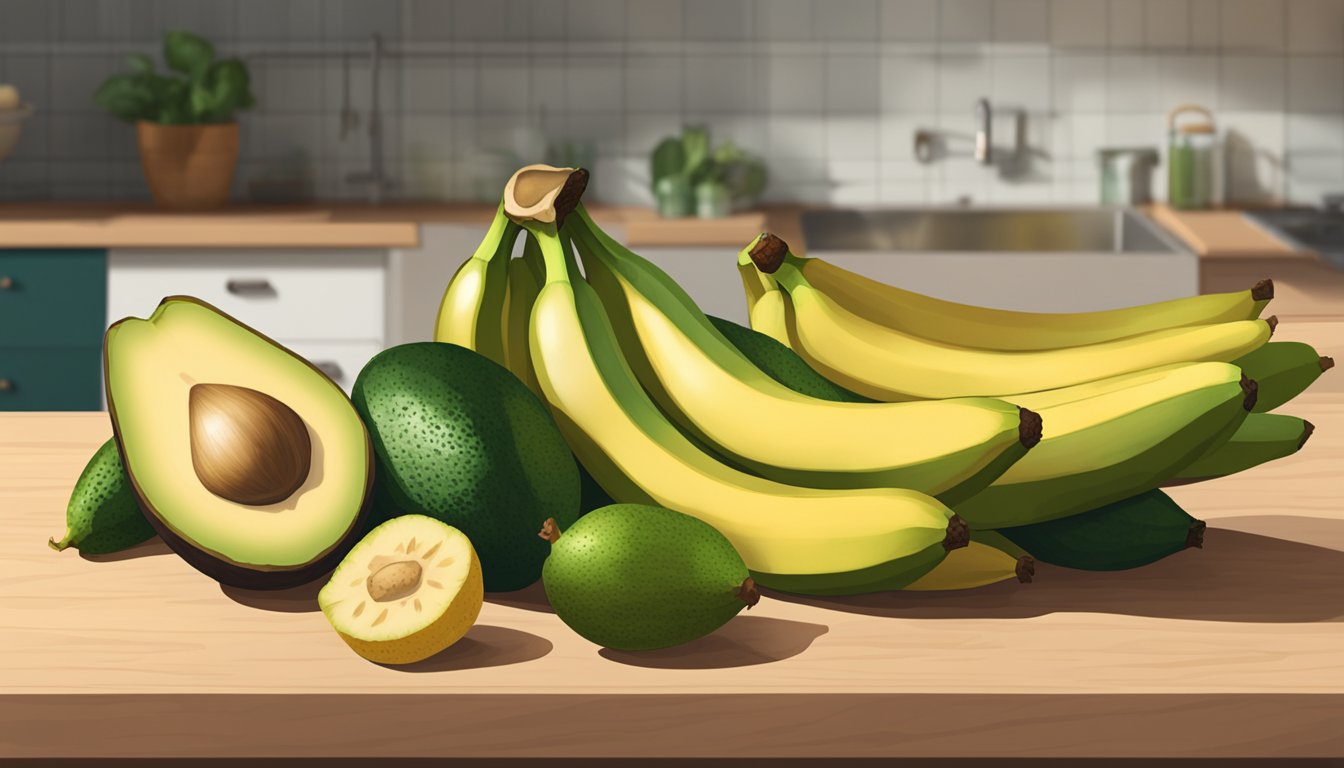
{"x": 1310, "y": 229}
{"x": 1099, "y": 230}
{"x": 1039, "y": 260}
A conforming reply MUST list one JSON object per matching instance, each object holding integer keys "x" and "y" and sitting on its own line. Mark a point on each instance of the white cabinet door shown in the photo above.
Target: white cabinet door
{"x": 288, "y": 294}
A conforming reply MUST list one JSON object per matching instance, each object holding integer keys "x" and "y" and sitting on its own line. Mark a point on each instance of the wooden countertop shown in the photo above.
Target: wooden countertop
{"x": 1233, "y": 650}
{"x": 394, "y": 225}
{"x": 1225, "y": 234}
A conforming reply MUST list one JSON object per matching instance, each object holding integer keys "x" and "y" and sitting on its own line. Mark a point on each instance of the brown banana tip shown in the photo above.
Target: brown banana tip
{"x": 1273, "y": 322}
{"x": 1307, "y": 429}
{"x": 958, "y": 534}
{"x": 1263, "y": 290}
{"x": 1252, "y": 391}
{"x": 1195, "y": 536}
{"x": 570, "y": 194}
{"x": 1029, "y": 427}
{"x": 1327, "y": 363}
{"x": 550, "y": 531}
{"x": 1026, "y": 569}
{"x": 747, "y": 592}
{"x": 768, "y": 253}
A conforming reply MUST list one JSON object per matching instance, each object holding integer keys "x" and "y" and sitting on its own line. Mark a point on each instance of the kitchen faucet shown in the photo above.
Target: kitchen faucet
{"x": 984, "y": 154}
{"x": 375, "y": 177}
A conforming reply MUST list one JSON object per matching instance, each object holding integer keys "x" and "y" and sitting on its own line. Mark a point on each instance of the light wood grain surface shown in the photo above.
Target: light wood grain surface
{"x": 1236, "y": 649}
{"x": 341, "y": 225}
{"x": 1225, "y": 234}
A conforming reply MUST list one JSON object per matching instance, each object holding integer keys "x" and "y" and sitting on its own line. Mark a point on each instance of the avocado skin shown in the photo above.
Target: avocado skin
{"x": 459, "y": 438}
{"x": 103, "y": 515}
{"x": 783, "y": 364}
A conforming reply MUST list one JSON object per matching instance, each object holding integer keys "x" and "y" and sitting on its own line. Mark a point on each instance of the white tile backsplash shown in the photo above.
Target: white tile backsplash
{"x": 1166, "y": 24}
{"x": 852, "y": 84}
{"x": 796, "y": 82}
{"x": 829, "y": 92}
{"x": 1316, "y": 84}
{"x": 908, "y": 20}
{"x": 1252, "y": 25}
{"x": 1078, "y": 23}
{"x": 1315, "y": 26}
{"x": 1124, "y": 24}
{"x": 965, "y": 21}
{"x": 1253, "y": 82}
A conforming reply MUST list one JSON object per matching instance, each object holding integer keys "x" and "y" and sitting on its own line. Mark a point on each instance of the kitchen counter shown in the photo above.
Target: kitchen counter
{"x": 1232, "y": 650}
{"x": 1225, "y": 234}
{"x": 394, "y": 225}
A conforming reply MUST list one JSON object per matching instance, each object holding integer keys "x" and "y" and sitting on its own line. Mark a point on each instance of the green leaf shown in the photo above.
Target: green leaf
{"x": 187, "y": 53}
{"x": 223, "y": 89}
{"x": 695, "y": 141}
{"x": 668, "y": 158}
{"x": 127, "y": 97}
{"x": 140, "y": 64}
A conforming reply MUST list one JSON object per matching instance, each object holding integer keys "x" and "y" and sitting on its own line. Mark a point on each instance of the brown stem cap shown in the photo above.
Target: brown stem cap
{"x": 747, "y": 592}
{"x": 1029, "y": 427}
{"x": 1026, "y": 569}
{"x": 958, "y": 534}
{"x": 1195, "y": 536}
{"x": 1252, "y": 391}
{"x": 768, "y": 253}
{"x": 1263, "y": 290}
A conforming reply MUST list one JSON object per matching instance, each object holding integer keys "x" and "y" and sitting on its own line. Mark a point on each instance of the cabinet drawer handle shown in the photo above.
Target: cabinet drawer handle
{"x": 6, "y": 282}
{"x": 6, "y": 385}
{"x": 254, "y": 287}
{"x": 331, "y": 368}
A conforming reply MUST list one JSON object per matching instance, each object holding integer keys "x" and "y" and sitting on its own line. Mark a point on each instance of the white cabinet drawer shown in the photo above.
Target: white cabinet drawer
{"x": 289, "y": 294}
{"x": 341, "y": 360}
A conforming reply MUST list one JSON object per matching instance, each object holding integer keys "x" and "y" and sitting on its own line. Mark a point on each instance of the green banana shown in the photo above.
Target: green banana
{"x": 988, "y": 559}
{"x": 620, "y": 435}
{"x": 472, "y": 310}
{"x": 522, "y": 292}
{"x": 946, "y": 448}
{"x": 886, "y": 364}
{"x": 965, "y": 325}
{"x": 1284, "y": 370}
{"x": 1124, "y": 534}
{"x": 1118, "y": 439}
{"x": 783, "y": 364}
{"x": 103, "y": 514}
{"x": 1262, "y": 438}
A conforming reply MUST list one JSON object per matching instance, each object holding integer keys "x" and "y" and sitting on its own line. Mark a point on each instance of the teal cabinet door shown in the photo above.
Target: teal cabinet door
{"x": 52, "y": 298}
{"x": 51, "y": 379}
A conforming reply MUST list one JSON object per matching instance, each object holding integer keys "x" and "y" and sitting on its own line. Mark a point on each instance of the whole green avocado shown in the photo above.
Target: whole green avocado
{"x": 635, "y": 577}
{"x": 459, "y": 438}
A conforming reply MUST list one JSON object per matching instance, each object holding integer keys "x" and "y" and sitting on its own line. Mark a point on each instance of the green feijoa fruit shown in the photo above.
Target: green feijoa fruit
{"x": 636, "y": 577}
{"x": 103, "y": 515}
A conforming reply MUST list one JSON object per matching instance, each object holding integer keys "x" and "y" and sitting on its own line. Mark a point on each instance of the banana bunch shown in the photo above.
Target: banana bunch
{"x": 864, "y": 438}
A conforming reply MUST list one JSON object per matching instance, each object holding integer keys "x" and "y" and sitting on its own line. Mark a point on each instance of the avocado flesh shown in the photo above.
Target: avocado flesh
{"x": 151, "y": 366}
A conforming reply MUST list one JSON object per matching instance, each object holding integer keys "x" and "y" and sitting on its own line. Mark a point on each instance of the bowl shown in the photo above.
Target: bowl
{"x": 11, "y": 125}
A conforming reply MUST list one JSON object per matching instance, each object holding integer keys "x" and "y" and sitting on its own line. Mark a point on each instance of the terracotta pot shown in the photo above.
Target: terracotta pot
{"x": 188, "y": 166}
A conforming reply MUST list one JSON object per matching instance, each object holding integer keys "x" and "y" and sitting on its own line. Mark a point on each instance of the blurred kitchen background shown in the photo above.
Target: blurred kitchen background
{"x": 830, "y": 93}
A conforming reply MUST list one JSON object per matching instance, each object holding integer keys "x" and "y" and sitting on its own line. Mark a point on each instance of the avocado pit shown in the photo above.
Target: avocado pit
{"x": 246, "y": 446}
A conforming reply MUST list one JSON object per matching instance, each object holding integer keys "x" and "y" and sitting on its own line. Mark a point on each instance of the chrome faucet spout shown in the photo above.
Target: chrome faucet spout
{"x": 984, "y": 153}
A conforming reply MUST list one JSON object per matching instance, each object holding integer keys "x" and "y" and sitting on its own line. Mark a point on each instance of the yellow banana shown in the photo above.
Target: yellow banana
{"x": 988, "y": 559}
{"x": 946, "y": 448}
{"x": 983, "y": 327}
{"x": 885, "y": 364}
{"x": 472, "y": 310}
{"x": 801, "y": 535}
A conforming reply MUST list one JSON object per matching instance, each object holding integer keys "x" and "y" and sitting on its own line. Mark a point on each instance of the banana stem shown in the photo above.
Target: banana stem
{"x": 958, "y": 534}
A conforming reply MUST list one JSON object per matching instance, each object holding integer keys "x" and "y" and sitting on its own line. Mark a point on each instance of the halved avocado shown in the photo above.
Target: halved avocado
{"x": 250, "y": 462}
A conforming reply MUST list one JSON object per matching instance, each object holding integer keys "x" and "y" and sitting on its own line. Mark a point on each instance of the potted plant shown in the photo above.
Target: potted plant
{"x": 184, "y": 123}
{"x": 689, "y": 176}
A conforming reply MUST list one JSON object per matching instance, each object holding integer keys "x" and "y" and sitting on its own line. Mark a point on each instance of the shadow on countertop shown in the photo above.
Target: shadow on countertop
{"x": 484, "y": 645}
{"x": 744, "y": 641}
{"x": 1237, "y": 576}
{"x": 150, "y": 548}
